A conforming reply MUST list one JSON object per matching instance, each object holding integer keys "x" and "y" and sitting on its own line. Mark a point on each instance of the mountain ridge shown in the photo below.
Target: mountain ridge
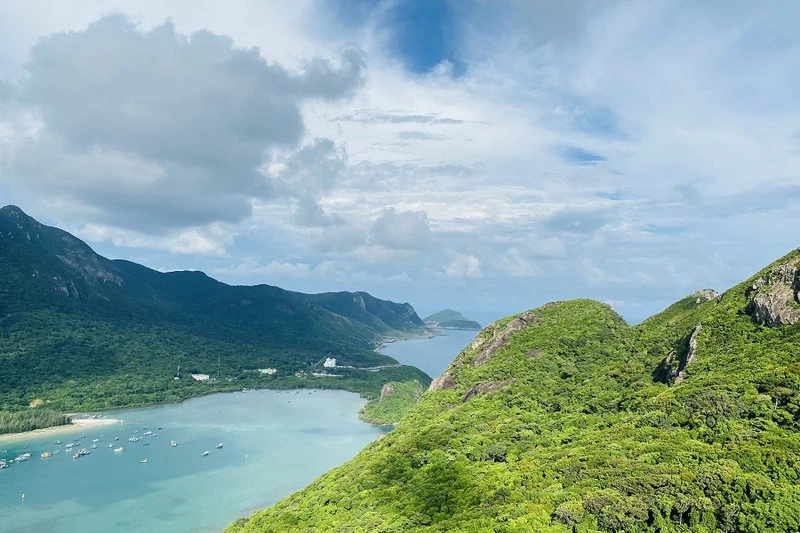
{"x": 110, "y": 318}
{"x": 567, "y": 419}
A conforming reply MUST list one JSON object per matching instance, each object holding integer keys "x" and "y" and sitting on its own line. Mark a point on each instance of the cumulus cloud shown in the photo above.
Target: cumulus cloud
{"x": 156, "y": 129}
{"x": 463, "y": 266}
{"x": 407, "y": 230}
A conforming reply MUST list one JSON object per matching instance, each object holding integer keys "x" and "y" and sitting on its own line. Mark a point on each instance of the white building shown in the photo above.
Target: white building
{"x": 330, "y": 362}
{"x": 200, "y": 377}
{"x": 267, "y": 371}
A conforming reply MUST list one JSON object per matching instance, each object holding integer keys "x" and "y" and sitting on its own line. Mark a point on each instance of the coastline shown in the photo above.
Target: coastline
{"x": 78, "y": 424}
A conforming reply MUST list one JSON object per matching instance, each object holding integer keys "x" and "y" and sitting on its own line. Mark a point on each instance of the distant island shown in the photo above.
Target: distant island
{"x": 449, "y": 319}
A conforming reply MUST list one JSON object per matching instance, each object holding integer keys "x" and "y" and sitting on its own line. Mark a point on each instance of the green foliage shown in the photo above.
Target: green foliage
{"x": 84, "y": 333}
{"x": 582, "y": 432}
{"x": 389, "y": 409}
{"x": 19, "y": 421}
{"x": 449, "y": 319}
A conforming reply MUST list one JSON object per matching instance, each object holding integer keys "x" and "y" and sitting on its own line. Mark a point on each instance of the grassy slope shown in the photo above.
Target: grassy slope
{"x": 587, "y": 438}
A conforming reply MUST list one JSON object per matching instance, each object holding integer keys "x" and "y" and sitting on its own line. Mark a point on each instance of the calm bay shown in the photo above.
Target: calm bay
{"x": 274, "y": 443}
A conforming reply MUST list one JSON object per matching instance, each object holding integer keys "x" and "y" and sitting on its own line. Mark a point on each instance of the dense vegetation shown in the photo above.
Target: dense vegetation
{"x": 567, "y": 419}
{"x": 449, "y": 319}
{"x": 81, "y": 332}
{"x": 19, "y": 421}
{"x": 396, "y": 398}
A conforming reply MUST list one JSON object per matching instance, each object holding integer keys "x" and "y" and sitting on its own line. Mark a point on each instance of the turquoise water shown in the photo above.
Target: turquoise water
{"x": 274, "y": 444}
{"x": 433, "y": 355}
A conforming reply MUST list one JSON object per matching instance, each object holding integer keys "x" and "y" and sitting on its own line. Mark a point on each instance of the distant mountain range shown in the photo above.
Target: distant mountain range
{"x": 449, "y": 319}
{"x": 82, "y": 332}
{"x": 565, "y": 419}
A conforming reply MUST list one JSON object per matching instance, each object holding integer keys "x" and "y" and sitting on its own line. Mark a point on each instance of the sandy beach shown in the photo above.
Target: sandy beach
{"x": 78, "y": 424}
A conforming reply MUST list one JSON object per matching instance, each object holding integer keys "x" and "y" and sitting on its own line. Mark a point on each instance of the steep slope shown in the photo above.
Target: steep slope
{"x": 449, "y": 319}
{"x": 84, "y": 332}
{"x": 566, "y": 419}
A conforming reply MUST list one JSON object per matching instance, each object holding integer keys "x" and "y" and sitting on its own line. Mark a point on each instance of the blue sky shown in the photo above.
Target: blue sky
{"x": 484, "y": 156}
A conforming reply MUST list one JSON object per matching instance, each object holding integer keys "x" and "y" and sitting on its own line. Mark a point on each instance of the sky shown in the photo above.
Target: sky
{"x": 486, "y": 156}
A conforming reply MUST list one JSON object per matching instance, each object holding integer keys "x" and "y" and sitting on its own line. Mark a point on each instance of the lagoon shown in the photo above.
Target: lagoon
{"x": 275, "y": 442}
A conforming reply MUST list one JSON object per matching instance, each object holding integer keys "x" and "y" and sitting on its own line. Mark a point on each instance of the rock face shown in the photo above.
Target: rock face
{"x": 705, "y": 295}
{"x": 443, "y": 382}
{"x": 483, "y": 388}
{"x": 488, "y": 346}
{"x": 774, "y": 296}
{"x": 675, "y": 366}
{"x": 387, "y": 391}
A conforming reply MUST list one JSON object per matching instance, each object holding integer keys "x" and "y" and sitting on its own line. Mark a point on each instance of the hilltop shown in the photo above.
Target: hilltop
{"x": 449, "y": 319}
{"x": 81, "y": 332}
{"x": 567, "y": 419}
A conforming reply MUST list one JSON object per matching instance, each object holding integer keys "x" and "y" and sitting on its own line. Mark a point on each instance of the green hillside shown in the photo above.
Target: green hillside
{"x": 81, "y": 332}
{"x": 449, "y": 319}
{"x": 566, "y": 419}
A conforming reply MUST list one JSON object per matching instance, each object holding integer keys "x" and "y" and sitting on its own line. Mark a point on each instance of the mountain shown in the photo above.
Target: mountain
{"x": 449, "y": 319}
{"x": 80, "y": 331}
{"x": 567, "y": 419}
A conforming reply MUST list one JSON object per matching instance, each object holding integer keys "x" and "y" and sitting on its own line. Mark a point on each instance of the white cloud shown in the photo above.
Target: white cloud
{"x": 463, "y": 266}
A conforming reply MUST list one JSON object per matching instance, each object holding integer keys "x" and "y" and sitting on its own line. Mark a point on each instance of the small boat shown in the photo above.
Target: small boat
{"x": 173, "y": 443}
{"x": 145, "y": 444}
{"x": 76, "y": 456}
{"x": 57, "y": 442}
{"x": 143, "y": 461}
{"x": 119, "y": 450}
{"x": 23, "y": 457}
{"x": 205, "y": 453}
{"x": 219, "y": 445}
{"x": 110, "y": 445}
{"x": 45, "y": 455}
{"x": 116, "y": 438}
{"x": 94, "y": 446}
{"x": 95, "y": 440}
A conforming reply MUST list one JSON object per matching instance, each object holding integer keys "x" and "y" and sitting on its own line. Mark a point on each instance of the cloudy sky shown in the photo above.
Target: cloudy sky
{"x": 483, "y": 155}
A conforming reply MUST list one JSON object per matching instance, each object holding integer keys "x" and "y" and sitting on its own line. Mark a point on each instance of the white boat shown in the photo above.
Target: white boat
{"x": 205, "y": 453}
{"x": 143, "y": 461}
{"x": 119, "y": 450}
{"x": 219, "y": 445}
{"x": 173, "y": 443}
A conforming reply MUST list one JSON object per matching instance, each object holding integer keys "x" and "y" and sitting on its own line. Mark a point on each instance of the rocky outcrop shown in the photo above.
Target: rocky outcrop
{"x": 444, "y": 382}
{"x": 483, "y": 388}
{"x": 488, "y": 345}
{"x": 387, "y": 391}
{"x": 675, "y": 366}
{"x": 705, "y": 295}
{"x": 773, "y": 297}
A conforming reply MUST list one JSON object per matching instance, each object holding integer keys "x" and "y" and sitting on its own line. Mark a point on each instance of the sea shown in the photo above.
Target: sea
{"x": 273, "y": 444}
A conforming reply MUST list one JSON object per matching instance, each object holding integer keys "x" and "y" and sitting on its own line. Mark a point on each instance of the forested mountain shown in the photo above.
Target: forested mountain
{"x": 80, "y": 331}
{"x": 566, "y": 419}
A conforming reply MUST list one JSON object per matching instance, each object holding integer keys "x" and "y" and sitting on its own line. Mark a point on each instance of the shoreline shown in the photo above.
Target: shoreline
{"x": 78, "y": 424}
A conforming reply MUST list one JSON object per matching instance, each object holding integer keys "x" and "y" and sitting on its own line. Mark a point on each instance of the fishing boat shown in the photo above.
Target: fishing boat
{"x": 45, "y": 455}
{"x": 143, "y": 461}
{"x": 219, "y": 445}
{"x": 110, "y": 445}
{"x": 173, "y": 443}
{"x": 119, "y": 450}
{"x": 57, "y": 442}
{"x": 205, "y": 453}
